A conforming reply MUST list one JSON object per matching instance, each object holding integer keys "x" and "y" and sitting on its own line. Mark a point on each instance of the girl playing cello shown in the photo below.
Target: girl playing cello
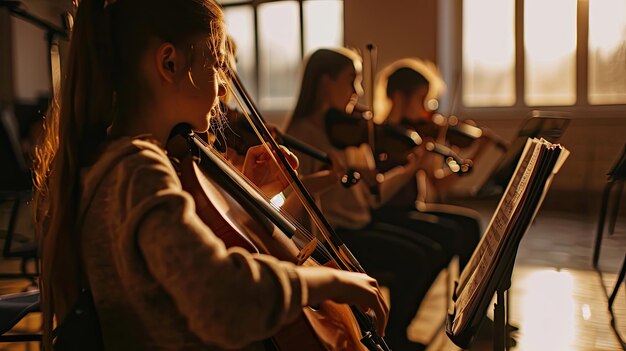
{"x": 115, "y": 219}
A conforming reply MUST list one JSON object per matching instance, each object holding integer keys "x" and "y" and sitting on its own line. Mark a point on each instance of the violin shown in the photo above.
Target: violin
{"x": 391, "y": 144}
{"x": 240, "y": 214}
{"x": 459, "y": 133}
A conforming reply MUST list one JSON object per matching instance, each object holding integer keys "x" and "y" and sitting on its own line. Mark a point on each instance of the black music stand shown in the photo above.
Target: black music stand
{"x": 500, "y": 281}
{"x": 500, "y": 312}
{"x": 549, "y": 125}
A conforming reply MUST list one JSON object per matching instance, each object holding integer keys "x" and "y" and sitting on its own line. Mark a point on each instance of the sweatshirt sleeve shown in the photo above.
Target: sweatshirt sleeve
{"x": 228, "y": 296}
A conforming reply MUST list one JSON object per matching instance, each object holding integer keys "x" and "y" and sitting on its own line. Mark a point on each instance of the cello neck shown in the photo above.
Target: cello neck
{"x": 340, "y": 254}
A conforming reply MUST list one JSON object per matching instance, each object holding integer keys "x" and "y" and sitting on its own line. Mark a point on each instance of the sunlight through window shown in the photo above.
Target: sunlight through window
{"x": 550, "y": 49}
{"x": 607, "y": 51}
{"x": 488, "y": 53}
{"x": 323, "y": 24}
{"x": 240, "y": 26}
{"x": 279, "y": 54}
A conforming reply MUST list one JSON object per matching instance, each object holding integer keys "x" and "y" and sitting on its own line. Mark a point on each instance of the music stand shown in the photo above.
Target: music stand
{"x": 549, "y": 125}
{"x": 499, "y": 246}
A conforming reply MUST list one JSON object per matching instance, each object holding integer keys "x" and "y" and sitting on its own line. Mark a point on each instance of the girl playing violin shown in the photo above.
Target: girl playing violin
{"x": 330, "y": 82}
{"x": 114, "y": 218}
{"x": 406, "y": 92}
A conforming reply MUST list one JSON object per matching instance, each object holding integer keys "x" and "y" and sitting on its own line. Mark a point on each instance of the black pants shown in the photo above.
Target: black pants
{"x": 456, "y": 229}
{"x": 404, "y": 262}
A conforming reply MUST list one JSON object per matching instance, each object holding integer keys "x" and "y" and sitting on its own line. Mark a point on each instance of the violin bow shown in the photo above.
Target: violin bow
{"x": 373, "y": 60}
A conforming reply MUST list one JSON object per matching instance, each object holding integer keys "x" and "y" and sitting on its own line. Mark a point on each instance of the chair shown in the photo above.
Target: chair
{"x": 13, "y": 308}
{"x": 27, "y": 251}
{"x": 620, "y": 280}
{"x": 16, "y": 189}
{"x": 615, "y": 177}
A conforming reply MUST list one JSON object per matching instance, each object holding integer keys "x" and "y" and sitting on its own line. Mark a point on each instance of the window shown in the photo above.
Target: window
{"x": 488, "y": 53}
{"x": 607, "y": 52}
{"x": 546, "y": 61}
{"x": 273, "y": 37}
{"x": 550, "y": 52}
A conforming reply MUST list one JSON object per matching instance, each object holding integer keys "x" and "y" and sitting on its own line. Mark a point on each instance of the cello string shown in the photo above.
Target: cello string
{"x": 326, "y": 236}
{"x": 300, "y": 229}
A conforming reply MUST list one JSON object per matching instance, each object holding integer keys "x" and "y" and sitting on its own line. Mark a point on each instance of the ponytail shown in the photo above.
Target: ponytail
{"x": 101, "y": 77}
{"x": 74, "y": 128}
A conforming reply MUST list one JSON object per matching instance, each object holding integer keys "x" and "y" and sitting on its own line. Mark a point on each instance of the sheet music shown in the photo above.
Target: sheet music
{"x": 499, "y": 219}
{"x": 539, "y": 162}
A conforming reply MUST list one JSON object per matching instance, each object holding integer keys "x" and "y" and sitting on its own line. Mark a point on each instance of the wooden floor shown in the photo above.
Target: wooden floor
{"x": 558, "y": 301}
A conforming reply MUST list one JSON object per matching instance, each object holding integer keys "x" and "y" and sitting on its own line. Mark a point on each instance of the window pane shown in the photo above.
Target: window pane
{"x": 240, "y": 26}
{"x": 607, "y": 52}
{"x": 226, "y": 2}
{"x": 279, "y": 49}
{"x": 550, "y": 48}
{"x": 488, "y": 52}
{"x": 323, "y": 24}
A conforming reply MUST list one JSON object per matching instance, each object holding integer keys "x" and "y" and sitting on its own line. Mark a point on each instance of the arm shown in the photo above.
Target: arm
{"x": 214, "y": 288}
{"x": 438, "y": 176}
{"x": 229, "y": 297}
{"x": 316, "y": 184}
{"x": 316, "y": 181}
{"x": 259, "y": 167}
{"x": 394, "y": 180}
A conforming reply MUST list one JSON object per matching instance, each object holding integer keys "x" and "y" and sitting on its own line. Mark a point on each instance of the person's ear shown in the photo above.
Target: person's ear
{"x": 168, "y": 61}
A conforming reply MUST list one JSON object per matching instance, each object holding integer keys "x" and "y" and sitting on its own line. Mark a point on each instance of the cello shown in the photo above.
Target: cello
{"x": 233, "y": 207}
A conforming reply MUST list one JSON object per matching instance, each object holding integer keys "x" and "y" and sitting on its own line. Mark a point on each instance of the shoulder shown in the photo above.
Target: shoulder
{"x": 135, "y": 167}
{"x": 127, "y": 155}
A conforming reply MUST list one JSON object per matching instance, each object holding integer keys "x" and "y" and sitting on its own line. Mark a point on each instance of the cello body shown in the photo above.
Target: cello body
{"x": 329, "y": 326}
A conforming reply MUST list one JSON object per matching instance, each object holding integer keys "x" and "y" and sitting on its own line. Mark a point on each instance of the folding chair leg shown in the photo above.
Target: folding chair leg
{"x": 603, "y": 207}
{"x": 615, "y": 207}
{"x": 620, "y": 279}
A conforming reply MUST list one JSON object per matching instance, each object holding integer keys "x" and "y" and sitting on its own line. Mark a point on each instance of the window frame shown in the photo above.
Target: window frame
{"x": 255, "y": 6}
{"x": 451, "y": 59}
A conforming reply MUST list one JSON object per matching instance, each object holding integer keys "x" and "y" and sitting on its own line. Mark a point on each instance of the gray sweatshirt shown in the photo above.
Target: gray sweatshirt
{"x": 161, "y": 279}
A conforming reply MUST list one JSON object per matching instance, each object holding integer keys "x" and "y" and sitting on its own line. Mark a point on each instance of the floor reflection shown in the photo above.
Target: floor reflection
{"x": 558, "y": 301}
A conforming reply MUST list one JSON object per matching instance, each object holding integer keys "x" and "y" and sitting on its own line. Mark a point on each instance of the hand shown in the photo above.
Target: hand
{"x": 346, "y": 287}
{"x": 416, "y": 155}
{"x": 337, "y": 166}
{"x": 494, "y": 138}
{"x": 259, "y": 167}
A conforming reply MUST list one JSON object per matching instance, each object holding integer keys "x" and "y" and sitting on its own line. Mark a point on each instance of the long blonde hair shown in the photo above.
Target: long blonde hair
{"x": 102, "y": 78}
